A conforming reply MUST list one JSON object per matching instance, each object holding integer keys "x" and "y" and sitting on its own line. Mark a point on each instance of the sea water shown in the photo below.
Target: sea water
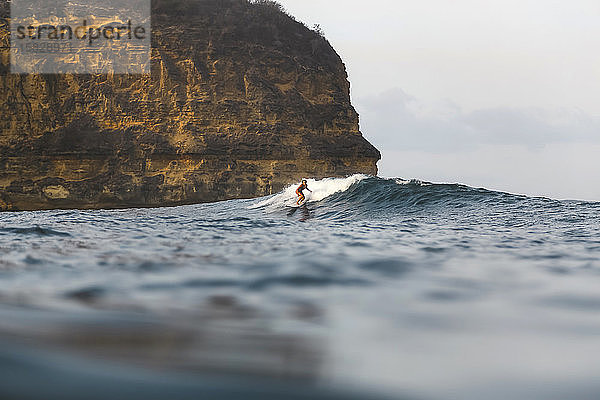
{"x": 398, "y": 289}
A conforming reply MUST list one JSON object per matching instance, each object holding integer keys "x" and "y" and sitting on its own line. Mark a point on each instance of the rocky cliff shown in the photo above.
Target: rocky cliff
{"x": 242, "y": 100}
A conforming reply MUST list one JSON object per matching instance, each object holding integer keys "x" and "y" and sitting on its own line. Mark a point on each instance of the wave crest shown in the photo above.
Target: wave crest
{"x": 321, "y": 189}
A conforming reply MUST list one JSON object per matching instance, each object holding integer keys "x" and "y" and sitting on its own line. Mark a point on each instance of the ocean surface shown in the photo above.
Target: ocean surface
{"x": 381, "y": 288}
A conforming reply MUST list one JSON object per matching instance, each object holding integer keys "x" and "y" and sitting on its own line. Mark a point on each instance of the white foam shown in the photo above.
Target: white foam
{"x": 321, "y": 189}
{"x": 400, "y": 181}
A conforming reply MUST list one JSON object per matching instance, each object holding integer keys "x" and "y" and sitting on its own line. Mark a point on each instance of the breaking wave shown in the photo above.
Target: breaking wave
{"x": 321, "y": 189}
{"x": 362, "y": 192}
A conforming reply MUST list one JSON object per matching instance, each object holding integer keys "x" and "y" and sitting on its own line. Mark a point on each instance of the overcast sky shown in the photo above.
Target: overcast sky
{"x": 501, "y": 94}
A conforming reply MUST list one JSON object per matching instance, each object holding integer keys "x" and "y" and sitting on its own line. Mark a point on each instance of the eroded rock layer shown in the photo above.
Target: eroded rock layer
{"x": 242, "y": 100}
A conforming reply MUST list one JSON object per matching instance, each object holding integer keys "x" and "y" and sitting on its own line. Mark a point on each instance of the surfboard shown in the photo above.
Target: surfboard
{"x": 295, "y": 205}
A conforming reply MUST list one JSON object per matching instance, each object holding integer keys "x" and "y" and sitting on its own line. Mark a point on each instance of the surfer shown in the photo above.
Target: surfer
{"x": 299, "y": 191}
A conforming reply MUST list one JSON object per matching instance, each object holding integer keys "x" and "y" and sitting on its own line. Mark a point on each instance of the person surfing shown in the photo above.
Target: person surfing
{"x": 299, "y": 191}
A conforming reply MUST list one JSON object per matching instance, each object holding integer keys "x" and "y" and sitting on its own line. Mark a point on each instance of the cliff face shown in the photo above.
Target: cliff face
{"x": 242, "y": 100}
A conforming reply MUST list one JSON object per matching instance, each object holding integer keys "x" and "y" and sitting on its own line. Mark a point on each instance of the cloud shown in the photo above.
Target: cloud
{"x": 561, "y": 171}
{"x": 397, "y": 120}
{"x": 532, "y": 151}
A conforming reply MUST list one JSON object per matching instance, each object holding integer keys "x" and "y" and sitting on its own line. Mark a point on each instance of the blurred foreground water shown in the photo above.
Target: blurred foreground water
{"x": 379, "y": 288}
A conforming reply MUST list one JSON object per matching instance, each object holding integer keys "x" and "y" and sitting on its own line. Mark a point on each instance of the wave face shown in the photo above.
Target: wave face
{"x": 365, "y": 196}
{"x": 402, "y": 285}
